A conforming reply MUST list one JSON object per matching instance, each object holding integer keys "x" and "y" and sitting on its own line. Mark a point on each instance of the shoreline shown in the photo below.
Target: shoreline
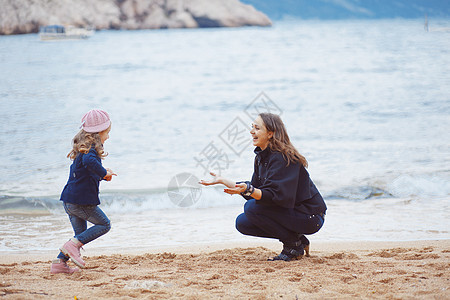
{"x": 359, "y": 269}
{"x": 274, "y": 245}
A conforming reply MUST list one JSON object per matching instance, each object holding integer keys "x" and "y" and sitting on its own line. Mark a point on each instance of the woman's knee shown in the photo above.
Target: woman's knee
{"x": 254, "y": 210}
{"x": 242, "y": 223}
{"x": 250, "y": 206}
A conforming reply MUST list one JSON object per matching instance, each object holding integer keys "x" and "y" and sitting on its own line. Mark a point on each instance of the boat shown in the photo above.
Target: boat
{"x": 60, "y": 32}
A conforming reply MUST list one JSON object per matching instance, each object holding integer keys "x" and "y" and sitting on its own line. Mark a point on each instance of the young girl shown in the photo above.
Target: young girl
{"x": 80, "y": 195}
{"x": 283, "y": 202}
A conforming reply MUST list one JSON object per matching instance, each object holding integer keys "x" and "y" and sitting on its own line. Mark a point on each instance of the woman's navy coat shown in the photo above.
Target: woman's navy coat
{"x": 286, "y": 186}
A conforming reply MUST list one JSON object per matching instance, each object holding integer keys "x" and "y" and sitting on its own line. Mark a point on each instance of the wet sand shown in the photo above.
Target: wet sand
{"x": 359, "y": 270}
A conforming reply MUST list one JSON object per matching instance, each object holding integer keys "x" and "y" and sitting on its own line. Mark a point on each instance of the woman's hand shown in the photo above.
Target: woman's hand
{"x": 232, "y": 186}
{"x": 237, "y": 189}
{"x": 216, "y": 180}
{"x": 109, "y": 175}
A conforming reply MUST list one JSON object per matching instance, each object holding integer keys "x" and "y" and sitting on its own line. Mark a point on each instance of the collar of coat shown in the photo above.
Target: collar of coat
{"x": 262, "y": 154}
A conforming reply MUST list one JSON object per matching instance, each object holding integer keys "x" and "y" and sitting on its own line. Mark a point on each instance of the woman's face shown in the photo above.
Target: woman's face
{"x": 260, "y": 134}
{"x": 104, "y": 135}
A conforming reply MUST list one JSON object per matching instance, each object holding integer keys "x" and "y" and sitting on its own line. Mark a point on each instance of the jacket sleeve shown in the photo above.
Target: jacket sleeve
{"x": 91, "y": 161}
{"x": 280, "y": 184}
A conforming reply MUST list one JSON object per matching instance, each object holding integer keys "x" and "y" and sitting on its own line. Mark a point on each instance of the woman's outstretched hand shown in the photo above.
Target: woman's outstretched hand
{"x": 215, "y": 180}
{"x": 232, "y": 186}
{"x": 237, "y": 189}
{"x": 218, "y": 180}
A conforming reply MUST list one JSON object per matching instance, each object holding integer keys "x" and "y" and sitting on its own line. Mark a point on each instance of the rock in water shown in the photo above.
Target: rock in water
{"x": 26, "y": 16}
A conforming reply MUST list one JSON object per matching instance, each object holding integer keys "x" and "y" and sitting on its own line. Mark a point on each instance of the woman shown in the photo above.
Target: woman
{"x": 283, "y": 202}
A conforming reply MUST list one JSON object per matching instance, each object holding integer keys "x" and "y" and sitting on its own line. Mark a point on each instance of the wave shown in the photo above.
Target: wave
{"x": 356, "y": 193}
{"x": 27, "y": 205}
{"x": 400, "y": 186}
{"x": 137, "y": 201}
{"x": 125, "y": 201}
{"x": 420, "y": 186}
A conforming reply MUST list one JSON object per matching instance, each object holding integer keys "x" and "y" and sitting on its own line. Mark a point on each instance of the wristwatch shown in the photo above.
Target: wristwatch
{"x": 249, "y": 190}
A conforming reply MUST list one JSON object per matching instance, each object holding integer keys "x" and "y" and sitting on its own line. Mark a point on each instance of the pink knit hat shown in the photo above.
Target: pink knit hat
{"x": 95, "y": 120}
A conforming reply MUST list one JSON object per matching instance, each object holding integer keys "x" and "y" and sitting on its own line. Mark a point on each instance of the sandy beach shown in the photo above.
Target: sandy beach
{"x": 366, "y": 102}
{"x": 383, "y": 270}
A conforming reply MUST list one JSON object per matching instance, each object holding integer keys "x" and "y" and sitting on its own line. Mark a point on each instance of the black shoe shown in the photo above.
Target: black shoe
{"x": 289, "y": 253}
{"x": 305, "y": 243}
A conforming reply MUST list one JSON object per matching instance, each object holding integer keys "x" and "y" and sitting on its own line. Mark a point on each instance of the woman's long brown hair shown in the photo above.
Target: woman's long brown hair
{"x": 82, "y": 143}
{"x": 280, "y": 140}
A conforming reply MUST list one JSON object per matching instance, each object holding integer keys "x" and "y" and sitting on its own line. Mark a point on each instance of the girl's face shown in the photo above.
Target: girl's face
{"x": 104, "y": 135}
{"x": 260, "y": 134}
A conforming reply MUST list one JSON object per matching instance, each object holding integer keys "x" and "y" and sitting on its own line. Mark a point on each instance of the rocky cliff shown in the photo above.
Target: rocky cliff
{"x": 26, "y": 16}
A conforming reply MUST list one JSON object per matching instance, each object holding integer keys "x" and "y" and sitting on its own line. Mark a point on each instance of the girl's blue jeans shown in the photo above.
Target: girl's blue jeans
{"x": 285, "y": 224}
{"x": 79, "y": 215}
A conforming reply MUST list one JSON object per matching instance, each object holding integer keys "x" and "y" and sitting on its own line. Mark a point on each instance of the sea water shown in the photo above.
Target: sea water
{"x": 366, "y": 102}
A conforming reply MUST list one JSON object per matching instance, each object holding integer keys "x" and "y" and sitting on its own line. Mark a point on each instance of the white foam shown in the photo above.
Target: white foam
{"x": 419, "y": 186}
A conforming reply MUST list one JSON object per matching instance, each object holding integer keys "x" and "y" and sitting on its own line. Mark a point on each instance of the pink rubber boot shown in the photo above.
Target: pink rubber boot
{"x": 60, "y": 266}
{"x": 72, "y": 249}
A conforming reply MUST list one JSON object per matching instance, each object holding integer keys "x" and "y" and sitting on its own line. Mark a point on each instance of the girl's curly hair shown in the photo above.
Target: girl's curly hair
{"x": 84, "y": 141}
